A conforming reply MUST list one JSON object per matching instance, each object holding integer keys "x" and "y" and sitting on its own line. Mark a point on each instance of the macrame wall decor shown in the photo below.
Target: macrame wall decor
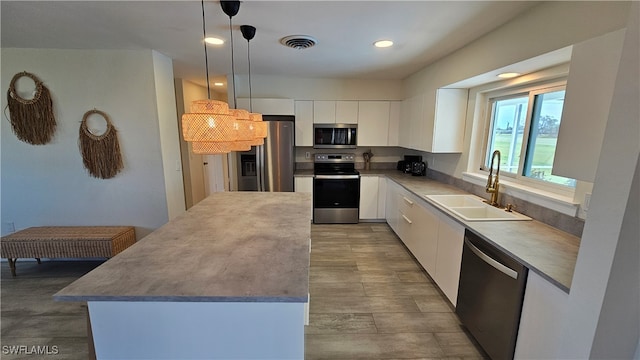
{"x": 100, "y": 153}
{"x": 32, "y": 120}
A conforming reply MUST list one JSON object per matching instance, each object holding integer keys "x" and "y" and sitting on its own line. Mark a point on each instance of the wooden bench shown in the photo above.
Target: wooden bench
{"x": 66, "y": 242}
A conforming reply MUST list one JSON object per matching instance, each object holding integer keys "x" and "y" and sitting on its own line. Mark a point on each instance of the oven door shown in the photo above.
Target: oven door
{"x": 336, "y": 199}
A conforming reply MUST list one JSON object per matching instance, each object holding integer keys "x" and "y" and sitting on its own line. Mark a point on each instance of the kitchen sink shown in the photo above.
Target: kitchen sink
{"x": 456, "y": 200}
{"x": 473, "y": 208}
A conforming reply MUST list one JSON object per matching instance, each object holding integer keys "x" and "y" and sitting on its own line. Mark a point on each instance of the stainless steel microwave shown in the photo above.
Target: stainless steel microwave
{"x": 335, "y": 136}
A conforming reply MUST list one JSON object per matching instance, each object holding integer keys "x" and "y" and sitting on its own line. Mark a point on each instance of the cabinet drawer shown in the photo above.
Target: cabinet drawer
{"x": 406, "y": 202}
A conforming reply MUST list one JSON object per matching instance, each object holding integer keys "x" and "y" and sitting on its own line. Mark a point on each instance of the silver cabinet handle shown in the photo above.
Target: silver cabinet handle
{"x": 490, "y": 261}
{"x": 407, "y": 219}
{"x": 408, "y": 201}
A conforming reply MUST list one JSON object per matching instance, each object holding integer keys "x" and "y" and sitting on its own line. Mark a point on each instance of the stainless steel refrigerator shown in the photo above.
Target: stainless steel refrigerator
{"x": 270, "y": 167}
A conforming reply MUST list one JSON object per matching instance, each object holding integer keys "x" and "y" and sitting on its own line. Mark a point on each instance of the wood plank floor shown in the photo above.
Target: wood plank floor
{"x": 369, "y": 300}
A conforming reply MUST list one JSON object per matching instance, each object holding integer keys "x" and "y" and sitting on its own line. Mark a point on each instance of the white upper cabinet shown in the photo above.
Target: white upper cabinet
{"x": 378, "y": 121}
{"x": 304, "y": 122}
{"x": 373, "y": 123}
{"x": 416, "y": 123}
{"x": 412, "y": 125}
{"x": 324, "y": 112}
{"x": 346, "y": 112}
{"x": 394, "y": 123}
{"x": 434, "y": 122}
{"x": 445, "y": 123}
{"x": 268, "y": 106}
{"x": 592, "y": 76}
{"x": 331, "y": 112}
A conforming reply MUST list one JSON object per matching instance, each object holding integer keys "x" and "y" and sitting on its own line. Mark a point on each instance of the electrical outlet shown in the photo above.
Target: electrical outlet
{"x": 587, "y": 201}
{"x": 307, "y": 155}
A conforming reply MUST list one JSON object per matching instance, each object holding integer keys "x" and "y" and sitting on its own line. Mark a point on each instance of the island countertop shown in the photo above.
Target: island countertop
{"x": 230, "y": 247}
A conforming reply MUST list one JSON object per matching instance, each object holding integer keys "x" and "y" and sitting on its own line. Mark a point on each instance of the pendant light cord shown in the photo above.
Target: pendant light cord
{"x": 249, "y": 61}
{"x": 233, "y": 68}
{"x": 206, "y": 57}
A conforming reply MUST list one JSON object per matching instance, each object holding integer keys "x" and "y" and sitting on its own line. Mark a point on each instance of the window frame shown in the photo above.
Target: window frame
{"x": 532, "y": 89}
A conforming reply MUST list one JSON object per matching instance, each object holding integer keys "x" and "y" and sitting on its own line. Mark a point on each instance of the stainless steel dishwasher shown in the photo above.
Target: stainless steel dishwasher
{"x": 490, "y": 296}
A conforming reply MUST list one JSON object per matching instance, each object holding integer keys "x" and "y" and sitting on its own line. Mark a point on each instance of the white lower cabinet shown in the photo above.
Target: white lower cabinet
{"x": 426, "y": 233}
{"x": 382, "y": 197}
{"x": 373, "y": 197}
{"x": 449, "y": 256}
{"x": 543, "y": 312}
{"x": 368, "y": 197}
{"x": 304, "y": 184}
{"x": 433, "y": 238}
{"x": 392, "y": 214}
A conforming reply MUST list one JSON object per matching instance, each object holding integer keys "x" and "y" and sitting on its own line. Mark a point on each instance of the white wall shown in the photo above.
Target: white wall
{"x": 47, "y": 184}
{"x": 542, "y": 29}
{"x": 169, "y": 138}
{"x": 264, "y": 86}
{"x": 193, "y": 176}
{"x": 604, "y": 302}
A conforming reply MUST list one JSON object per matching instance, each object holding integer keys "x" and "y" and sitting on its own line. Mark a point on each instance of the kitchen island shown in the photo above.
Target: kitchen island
{"x": 226, "y": 279}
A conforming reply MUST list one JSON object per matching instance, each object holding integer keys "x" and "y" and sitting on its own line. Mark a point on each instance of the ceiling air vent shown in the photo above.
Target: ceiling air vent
{"x": 298, "y": 41}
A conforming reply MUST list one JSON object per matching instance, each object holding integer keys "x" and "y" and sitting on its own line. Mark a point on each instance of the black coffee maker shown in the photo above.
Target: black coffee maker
{"x": 419, "y": 168}
{"x": 406, "y": 165}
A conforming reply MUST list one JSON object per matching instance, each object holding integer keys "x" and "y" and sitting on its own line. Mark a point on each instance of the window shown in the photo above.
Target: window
{"x": 524, "y": 126}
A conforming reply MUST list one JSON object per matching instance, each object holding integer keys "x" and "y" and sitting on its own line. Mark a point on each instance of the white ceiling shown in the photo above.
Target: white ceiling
{"x": 423, "y": 31}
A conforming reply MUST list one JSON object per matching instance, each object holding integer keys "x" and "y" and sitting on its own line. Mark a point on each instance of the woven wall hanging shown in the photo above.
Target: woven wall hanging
{"x": 100, "y": 153}
{"x": 32, "y": 120}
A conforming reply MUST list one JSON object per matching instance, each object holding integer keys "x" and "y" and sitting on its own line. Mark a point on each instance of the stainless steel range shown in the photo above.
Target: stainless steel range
{"x": 336, "y": 189}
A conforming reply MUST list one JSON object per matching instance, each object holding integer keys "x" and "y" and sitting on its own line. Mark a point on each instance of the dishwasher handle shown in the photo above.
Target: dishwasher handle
{"x": 490, "y": 261}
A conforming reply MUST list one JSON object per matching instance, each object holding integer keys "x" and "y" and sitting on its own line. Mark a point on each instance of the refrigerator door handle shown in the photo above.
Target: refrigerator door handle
{"x": 263, "y": 152}
{"x": 259, "y": 167}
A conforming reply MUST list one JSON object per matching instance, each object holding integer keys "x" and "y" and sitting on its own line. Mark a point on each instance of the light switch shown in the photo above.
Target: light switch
{"x": 587, "y": 200}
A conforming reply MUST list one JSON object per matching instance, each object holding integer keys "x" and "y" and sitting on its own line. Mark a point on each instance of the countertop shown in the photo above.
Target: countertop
{"x": 230, "y": 247}
{"x": 549, "y": 252}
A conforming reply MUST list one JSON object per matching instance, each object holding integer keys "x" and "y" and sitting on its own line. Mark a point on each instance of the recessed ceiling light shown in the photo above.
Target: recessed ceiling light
{"x": 508, "y": 75}
{"x": 383, "y": 43}
{"x": 218, "y": 84}
{"x": 214, "y": 41}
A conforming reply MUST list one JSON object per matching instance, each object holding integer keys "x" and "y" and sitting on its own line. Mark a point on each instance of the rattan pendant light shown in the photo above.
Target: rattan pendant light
{"x": 246, "y": 122}
{"x": 259, "y": 127}
{"x": 208, "y": 125}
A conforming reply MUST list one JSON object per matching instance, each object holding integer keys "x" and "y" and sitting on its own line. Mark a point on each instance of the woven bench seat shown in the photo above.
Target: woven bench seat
{"x": 66, "y": 242}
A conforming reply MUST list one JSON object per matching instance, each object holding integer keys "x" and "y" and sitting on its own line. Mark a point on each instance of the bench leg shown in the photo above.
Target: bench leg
{"x": 12, "y": 266}
{"x": 38, "y": 260}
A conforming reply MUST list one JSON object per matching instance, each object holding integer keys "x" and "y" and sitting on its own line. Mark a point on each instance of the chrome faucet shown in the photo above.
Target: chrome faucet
{"x": 493, "y": 184}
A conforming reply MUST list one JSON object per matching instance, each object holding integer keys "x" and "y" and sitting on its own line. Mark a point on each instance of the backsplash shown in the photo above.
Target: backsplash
{"x": 570, "y": 224}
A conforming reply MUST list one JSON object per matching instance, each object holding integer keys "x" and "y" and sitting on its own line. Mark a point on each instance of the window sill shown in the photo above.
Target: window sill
{"x": 559, "y": 203}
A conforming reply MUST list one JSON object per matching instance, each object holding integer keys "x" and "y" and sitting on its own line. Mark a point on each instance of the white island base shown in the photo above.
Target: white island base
{"x": 197, "y": 330}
